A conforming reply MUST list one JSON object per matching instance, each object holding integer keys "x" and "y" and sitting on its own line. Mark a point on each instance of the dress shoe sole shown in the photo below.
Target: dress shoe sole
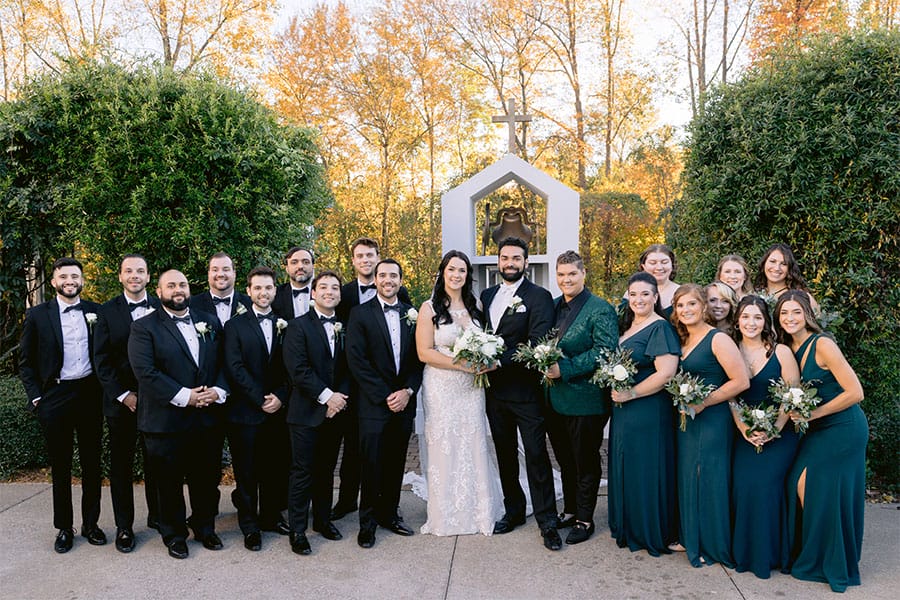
{"x": 124, "y": 548}
{"x": 62, "y": 549}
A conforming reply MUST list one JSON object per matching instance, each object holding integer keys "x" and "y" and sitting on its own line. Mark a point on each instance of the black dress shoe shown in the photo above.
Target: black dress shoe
{"x": 299, "y": 544}
{"x": 328, "y": 531}
{"x": 178, "y": 549}
{"x": 366, "y": 537}
{"x": 552, "y": 541}
{"x": 124, "y": 540}
{"x": 562, "y": 522}
{"x": 508, "y": 523}
{"x": 399, "y": 527}
{"x": 342, "y": 510}
{"x": 210, "y": 541}
{"x": 253, "y": 541}
{"x": 280, "y": 527}
{"x": 580, "y": 533}
{"x": 94, "y": 535}
{"x": 64, "y": 540}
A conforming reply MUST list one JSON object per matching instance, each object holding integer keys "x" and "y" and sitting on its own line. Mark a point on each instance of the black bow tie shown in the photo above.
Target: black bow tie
{"x": 74, "y": 307}
{"x": 217, "y": 300}
{"x": 134, "y": 305}
{"x": 365, "y": 288}
{"x": 395, "y": 307}
{"x": 296, "y": 292}
{"x": 325, "y": 319}
{"x": 185, "y": 319}
{"x": 270, "y": 316}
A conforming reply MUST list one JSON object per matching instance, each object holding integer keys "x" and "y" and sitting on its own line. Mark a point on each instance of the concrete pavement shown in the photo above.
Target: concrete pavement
{"x": 424, "y": 567}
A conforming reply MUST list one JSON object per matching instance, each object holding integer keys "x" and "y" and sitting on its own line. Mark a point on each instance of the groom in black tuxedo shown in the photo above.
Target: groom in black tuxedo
{"x": 381, "y": 353}
{"x": 520, "y": 312}
{"x": 176, "y": 355}
{"x": 56, "y": 368}
{"x": 120, "y": 394}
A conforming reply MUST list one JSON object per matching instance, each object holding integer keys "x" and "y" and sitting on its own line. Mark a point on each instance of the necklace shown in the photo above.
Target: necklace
{"x": 753, "y": 357}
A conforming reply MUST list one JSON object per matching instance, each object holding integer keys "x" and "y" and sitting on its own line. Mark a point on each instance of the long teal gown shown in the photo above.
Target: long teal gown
{"x": 641, "y": 490}
{"x": 826, "y": 534}
{"x": 760, "y": 541}
{"x": 704, "y": 467}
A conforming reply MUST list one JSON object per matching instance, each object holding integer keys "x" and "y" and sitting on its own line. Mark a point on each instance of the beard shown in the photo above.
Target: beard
{"x": 176, "y": 305}
{"x": 302, "y": 278}
{"x": 512, "y": 276}
{"x": 60, "y": 289}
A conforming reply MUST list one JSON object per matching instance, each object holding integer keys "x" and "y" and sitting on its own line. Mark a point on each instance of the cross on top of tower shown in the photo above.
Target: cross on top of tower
{"x": 511, "y": 118}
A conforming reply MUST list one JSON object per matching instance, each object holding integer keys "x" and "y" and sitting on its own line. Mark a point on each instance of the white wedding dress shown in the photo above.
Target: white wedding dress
{"x": 463, "y": 482}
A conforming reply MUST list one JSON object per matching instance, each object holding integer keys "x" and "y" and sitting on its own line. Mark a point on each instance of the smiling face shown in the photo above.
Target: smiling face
{"x": 221, "y": 276}
{"x": 327, "y": 294}
{"x": 173, "y": 291}
{"x": 641, "y": 298}
{"x": 751, "y": 322}
{"x": 511, "y": 263}
{"x": 717, "y": 305}
{"x": 455, "y": 274}
{"x": 300, "y": 267}
{"x": 67, "y": 281}
{"x": 775, "y": 269}
{"x": 261, "y": 291}
{"x": 792, "y": 318}
{"x": 689, "y": 310}
{"x": 733, "y": 274}
{"x": 570, "y": 280}
{"x": 133, "y": 275}
{"x": 388, "y": 281}
{"x": 364, "y": 260}
{"x": 659, "y": 265}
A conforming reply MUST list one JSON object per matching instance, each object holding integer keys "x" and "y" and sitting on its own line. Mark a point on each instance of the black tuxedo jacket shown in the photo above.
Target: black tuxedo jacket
{"x": 204, "y": 303}
{"x": 41, "y": 347}
{"x": 252, "y": 371}
{"x": 350, "y": 298}
{"x": 283, "y": 304}
{"x": 513, "y": 382}
{"x": 311, "y": 369}
{"x": 162, "y": 365}
{"x": 111, "y": 352}
{"x": 371, "y": 360}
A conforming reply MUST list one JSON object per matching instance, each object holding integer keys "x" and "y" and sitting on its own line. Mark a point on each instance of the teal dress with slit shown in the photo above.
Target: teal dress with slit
{"x": 641, "y": 492}
{"x": 826, "y": 533}
{"x": 704, "y": 467}
{"x": 760, "y": 541}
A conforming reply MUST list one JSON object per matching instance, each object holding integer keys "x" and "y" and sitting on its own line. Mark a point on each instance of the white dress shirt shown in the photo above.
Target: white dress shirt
{"x": 76, "y": 362}
{"x": 266, "y": 326}
{"x": 392, "y": 317}
{"x": 301, "y": 301}
{"x": 223, "y": 311}
{"x": 189, "y": 333}
{"x": 502, "y": 300}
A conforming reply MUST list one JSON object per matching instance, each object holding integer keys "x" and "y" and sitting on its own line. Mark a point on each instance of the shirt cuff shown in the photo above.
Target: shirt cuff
{"x": 182, "y": 398}
{"x": 325, "y": 395}
{"x": 36, "y": 400}
{"x": 222, "y": 394}
{"x": 124, "y": 395}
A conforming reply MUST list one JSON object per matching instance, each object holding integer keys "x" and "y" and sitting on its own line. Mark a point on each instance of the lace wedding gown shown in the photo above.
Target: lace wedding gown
{"x": 463, "y": 482}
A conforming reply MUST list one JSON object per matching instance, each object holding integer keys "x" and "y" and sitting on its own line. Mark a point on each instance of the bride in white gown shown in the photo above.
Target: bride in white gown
{"x": 463, "y": 482}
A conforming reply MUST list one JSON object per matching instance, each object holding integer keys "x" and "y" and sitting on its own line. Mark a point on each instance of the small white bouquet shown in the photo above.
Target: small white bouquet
{"x": 758, "y": 419}
{"x": 202, "y": 328}
{"x": 615, "y": 370}
{"x": 541, "y": 356}
{"x": 799, "y": 399}
{"x": 688, "y": 391}
{"x": 480, "y": 349}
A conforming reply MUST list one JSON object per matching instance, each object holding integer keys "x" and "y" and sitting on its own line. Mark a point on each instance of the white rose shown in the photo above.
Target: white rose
{"x": 758, "y": 414}
{"x": 489, "y": 349}
{"x": 796, "y": 393}
{"x": 411, "y": 315}
{"x": 620, "y": 373}
{"x": 201, "y": 327}
{"x": 684, "y": 389}
{"x": 338, "y": 327}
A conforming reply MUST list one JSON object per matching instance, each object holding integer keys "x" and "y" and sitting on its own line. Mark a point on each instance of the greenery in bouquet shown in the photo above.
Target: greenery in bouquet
{"x": 799, "y": 399}
{"x": 480, "y": 349}
{"x": 540, "y": 357}
{"x": 758, "y": 419}
{"x": 615, "y": 370}
{"x": 688, "y": 391}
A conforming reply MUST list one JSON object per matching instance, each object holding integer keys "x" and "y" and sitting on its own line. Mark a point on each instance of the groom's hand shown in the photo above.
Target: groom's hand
{"x": 398, "y": 400}
{"x": 335, "y": 404}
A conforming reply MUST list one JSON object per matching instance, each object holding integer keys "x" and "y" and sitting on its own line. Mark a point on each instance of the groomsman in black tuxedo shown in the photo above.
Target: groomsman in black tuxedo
{"x": 221, "y": 299}
{"x": 56, "y": 368}
{"x": 120, "y": 394}
{"x": 519, "y": 311}
{"x": 316, "y": 363}
{"x": 381, "y": 353}
{"x": 292, "y": 298}
{"x": 364, "y": 256}
{"x": 257, "y": 432}
{"x": 176, "y": 355}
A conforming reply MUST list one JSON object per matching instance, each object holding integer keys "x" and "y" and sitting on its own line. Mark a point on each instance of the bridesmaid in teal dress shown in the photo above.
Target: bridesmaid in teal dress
{"x": 704, "y": 448}
{"x": 757, "y": 492}
{"x": 826, "y": 486}
{"x": 641, "y": 490}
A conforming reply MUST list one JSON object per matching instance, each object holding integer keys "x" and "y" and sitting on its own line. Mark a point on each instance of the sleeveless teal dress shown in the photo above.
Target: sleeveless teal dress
{"x": 641, "y": 492}
{"x": 760, "y": 541}
{"x": 704, "y": 467}
{"x": 826, "y": 534}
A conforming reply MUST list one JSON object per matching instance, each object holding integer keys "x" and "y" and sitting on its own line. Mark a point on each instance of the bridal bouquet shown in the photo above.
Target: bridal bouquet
{"x": 480, "y": 349}
{"x": 541, "y": 356}
{"x": 800, "y": 399}
{"x": 758, "y": 419}
{"x": 615, "y": 370}
{"x": 687, "y": 392}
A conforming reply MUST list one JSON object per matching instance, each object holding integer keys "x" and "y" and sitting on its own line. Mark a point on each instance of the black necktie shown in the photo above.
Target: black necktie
{"x": 217, "y": 300}
{"x": 324, "y": 319}
{"x": 365, "y": 288}
{"x": 270, "y": 316}
{"x": 395, "y": 307}
{"x": 74, "y": 307}
{"x": 296, "y": 292}
{"x": 134, "y": 305}
{"x": 185, "y": 319}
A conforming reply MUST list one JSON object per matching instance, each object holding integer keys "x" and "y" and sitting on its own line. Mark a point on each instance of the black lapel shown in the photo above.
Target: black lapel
{"x": 575, "y": 308}
{"x": 56, "y": 324}
{"x": 254, "y": 325}
{"x": 489, "y": 298}
{"x": 172, "y": 328}
{"x": 381, "y": 320}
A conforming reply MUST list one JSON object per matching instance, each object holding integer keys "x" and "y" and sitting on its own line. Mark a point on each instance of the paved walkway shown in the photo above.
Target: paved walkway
{"x": 423, "y": 567}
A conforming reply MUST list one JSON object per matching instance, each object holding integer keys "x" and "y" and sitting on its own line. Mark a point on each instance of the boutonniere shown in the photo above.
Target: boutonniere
{"x": 241, "y": 309}
{"x": 202, "y": 328}
{"x": 91, "y": 318}
{"x": 516, "y": 305}
{"x": 338, "y": 331}
{"x": 412, "y": 315}
{"x": 281, "y": 325}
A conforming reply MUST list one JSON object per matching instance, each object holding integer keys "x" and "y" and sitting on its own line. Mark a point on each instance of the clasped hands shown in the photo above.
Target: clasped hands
{"x": 335, "y": 404}
{"x": 397, "y": 401}
{"x": 202, "y": 397}
{"x": 467, "y": 367}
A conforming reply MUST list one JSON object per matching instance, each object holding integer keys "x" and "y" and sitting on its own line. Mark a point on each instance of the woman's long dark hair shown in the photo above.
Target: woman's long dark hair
{"x": 793, "y": 280}
{"x": 628, "y": 314}
{"x": 440, "y": 301}
{"x": 801, "y": 298}
{"x": 768, "y": 333}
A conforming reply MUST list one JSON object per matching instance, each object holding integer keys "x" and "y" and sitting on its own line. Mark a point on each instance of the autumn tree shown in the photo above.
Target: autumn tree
{"x": 788, "y": 22}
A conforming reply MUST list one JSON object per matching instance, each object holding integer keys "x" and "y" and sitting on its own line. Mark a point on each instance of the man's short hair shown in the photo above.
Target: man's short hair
{"x": 66, "y": 261}
{"x": 570, "y": 257}
{"x": 295, "y": 249}
{"x": 363, "y": 241}
{"x": 132, "y": 255}
{"x": 220, "y": 255}
{"x": 389, "y": 261}
{"x": 513, "y": 241}
{"x": 261, "y": 271}
{"x": 323, "y": 274}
